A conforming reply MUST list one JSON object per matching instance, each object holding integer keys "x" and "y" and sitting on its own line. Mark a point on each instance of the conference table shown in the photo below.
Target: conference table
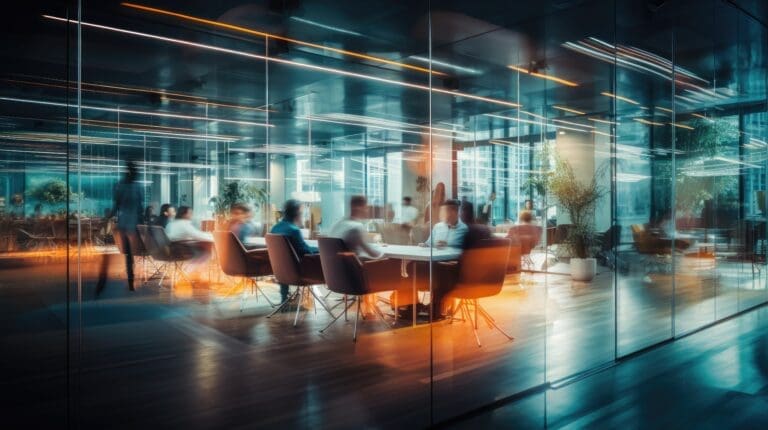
{"x": 404, "y": 252}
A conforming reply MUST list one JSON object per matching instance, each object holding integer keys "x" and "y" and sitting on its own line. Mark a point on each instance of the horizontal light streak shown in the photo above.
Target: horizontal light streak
{"x": 604, "y": 121}
{"x": 617, "y": 97}
{"x": 687, "y": 127}
{"x": 544, "y": 76}
{"x": 138, "y": 112}
{"x": 292, "y": 63}
{"x": 447, "y": 65}
{"x": 253, "y": 32}
{"x": 647, "y": 122}
{"x": 567, "y": 109}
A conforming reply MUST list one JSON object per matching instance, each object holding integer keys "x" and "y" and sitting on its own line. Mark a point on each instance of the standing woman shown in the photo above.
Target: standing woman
{"x": 438, "y": 197}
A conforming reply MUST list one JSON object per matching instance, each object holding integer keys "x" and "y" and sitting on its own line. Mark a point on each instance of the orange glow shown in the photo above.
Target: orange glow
{"x": 544, "y": 76}
{"x": 252, "y": 32}
{"x": 687, "y": 127}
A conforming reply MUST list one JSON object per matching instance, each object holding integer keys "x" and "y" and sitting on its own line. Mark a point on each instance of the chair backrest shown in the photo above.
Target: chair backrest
{"x": 342, "y": 270}
{"x": 526, "y": 235}
{"x": 161, "y": 242}
{"x": 286, "y": 265}
{"x": 231, "y": 253}
{"x": 611, "y": 238}
{"x": 147, "y": 240}
{"x": 485, "y": 265}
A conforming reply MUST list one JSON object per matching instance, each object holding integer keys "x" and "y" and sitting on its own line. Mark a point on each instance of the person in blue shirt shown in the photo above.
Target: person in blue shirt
{"x": 289, "y": 226}
{"x": 241, "y": 222}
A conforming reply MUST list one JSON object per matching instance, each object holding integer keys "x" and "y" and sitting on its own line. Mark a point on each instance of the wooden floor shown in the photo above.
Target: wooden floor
{"x": 156, "y": 358}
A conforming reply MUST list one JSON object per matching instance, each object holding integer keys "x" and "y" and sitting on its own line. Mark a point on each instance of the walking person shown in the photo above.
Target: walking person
{"x": 127, "y": 207}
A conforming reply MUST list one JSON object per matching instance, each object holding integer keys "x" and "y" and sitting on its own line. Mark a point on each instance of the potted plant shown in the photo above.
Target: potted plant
{"x": 579, "y": 200}
{"x": 237, "y": 192}
{"x": 54, "y": 192}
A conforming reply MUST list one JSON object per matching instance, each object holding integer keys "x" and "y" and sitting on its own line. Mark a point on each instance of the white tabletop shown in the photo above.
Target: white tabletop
{"x": 407, "y": 252}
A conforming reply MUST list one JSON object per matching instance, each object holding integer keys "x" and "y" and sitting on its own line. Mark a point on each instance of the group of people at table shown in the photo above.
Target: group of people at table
{"x": 456, "y": 229}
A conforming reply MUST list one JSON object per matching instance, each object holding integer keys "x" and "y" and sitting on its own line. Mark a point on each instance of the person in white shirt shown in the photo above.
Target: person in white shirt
{"x": 450, "y": 231}
{"x": 408, "y": 212}
{"x": 352, "y": 231}
{"x": 181, "y": 231}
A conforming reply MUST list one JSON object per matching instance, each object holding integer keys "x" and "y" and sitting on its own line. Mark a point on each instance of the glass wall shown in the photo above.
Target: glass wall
{"x": 611, "y": 155}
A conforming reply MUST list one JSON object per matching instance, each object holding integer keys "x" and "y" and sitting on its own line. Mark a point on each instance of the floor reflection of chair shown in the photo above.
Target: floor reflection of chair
{"x": 481, "y": 274}
{"x": 237, "y": 262}
{"x": 347, "y": 275}
{"x": 304, "y": 273}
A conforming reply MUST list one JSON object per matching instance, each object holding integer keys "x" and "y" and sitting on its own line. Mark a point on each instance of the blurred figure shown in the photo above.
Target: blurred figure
{"x": 438, "y": 197}
{"x": 38, "y": 213}
{"x": 408, "y": 213}
{"x": 446, "y": 274}
{"x": 475, "y": 231}
{"x": 128, "y": 198}
{"x": 486, "y": 212}
{"x": 293, "y": 213}
{"x": 241, "y": 222}
{"x": 182, "y": 232}
{"x": 167, "y": 214}
{"x": 149, "y": 215}
{"x": 450, "y": 230}
{"x": 525, "y": 218}
{"x": 352, "y": 230}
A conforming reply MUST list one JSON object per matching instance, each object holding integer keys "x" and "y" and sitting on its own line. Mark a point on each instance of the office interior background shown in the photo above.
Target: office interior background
{"x": 659, "y": 105}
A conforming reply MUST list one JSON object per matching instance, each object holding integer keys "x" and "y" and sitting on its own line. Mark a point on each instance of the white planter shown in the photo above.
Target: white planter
{"x": 583, "y": 269}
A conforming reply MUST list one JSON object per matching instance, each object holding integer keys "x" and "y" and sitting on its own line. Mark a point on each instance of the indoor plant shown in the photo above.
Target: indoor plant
{"x": 237, "y": 192}
{"x": 579, "y": 200}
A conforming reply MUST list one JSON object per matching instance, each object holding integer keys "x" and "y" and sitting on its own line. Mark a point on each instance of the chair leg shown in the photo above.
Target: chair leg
{"x": 284, "y": 304}
{"x": 336, "y": 318}
{"x": 492, "y": 322}
{"x": 317, "y": 299}
{"x": 298, "y": 305}
{"x": 357, "y": 317}
{"x": 474, "y": 324}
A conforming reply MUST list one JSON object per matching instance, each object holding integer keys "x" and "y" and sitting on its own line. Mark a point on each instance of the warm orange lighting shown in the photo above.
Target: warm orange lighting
{"x": 544, "y": 76}
{"x": 624, "y": 99}
{"x": 563, "y": 108}
{"x": 698, "y": 115}
{"x": 665, "y": 109}
{"x": 687, "y": 127}
{"x": 274, "y": 36}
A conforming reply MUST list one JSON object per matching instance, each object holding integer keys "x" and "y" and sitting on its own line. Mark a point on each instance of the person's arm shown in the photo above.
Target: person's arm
{"x": 356, "y": 239}
{"x": 428, "y": 242}
{"x": 194, "y": 234}
{"x": 300, "y": 243}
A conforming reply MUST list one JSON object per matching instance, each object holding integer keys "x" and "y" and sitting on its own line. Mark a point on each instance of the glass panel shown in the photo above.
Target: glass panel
{"x": 644, "y": 160}
{"x": 38, "y": 294}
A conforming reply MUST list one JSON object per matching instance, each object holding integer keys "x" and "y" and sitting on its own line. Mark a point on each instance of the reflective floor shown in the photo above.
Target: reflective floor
{"x": 190, "y": 357}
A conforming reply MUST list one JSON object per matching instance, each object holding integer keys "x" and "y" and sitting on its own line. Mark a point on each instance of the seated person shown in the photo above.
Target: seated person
{"x": 181, "y": 231}
{"x": 240, "y": 222}
{"x": 293, "y": 212}
{"x": 450, "y": 231}
{"x": 352, "y": 231}
{"x": 167, "y": 214}
{"x": 525, "y": 218}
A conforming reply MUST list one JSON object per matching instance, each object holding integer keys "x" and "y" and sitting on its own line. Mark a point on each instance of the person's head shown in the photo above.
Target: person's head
{"x": 467, "y": 212}
{"x": 406, "y": 201}
{"x": 492, "y": 197}
{"x": 131, "y": 172}
{"x": 449, "y": 211}
{"x": 529, "y": 205}
{"x": 184, "y": 212}
{"x": 525, "y": 217}
{"x": 293, "y": 211}
{"x": 240, "y": 212}
{"x": 149, "y": 211}
{"x": 358, "y": 207}
{"x": 168, "y": 211}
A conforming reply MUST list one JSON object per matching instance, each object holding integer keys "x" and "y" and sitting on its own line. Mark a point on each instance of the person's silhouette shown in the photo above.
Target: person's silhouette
{"x": 127, "y": 207}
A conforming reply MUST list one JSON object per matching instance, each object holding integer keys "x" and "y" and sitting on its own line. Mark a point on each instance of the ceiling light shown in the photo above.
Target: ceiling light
{"x": 544, "y": 76}
{"x": 566, "y": 109}
{"x": 624, "y": 99}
